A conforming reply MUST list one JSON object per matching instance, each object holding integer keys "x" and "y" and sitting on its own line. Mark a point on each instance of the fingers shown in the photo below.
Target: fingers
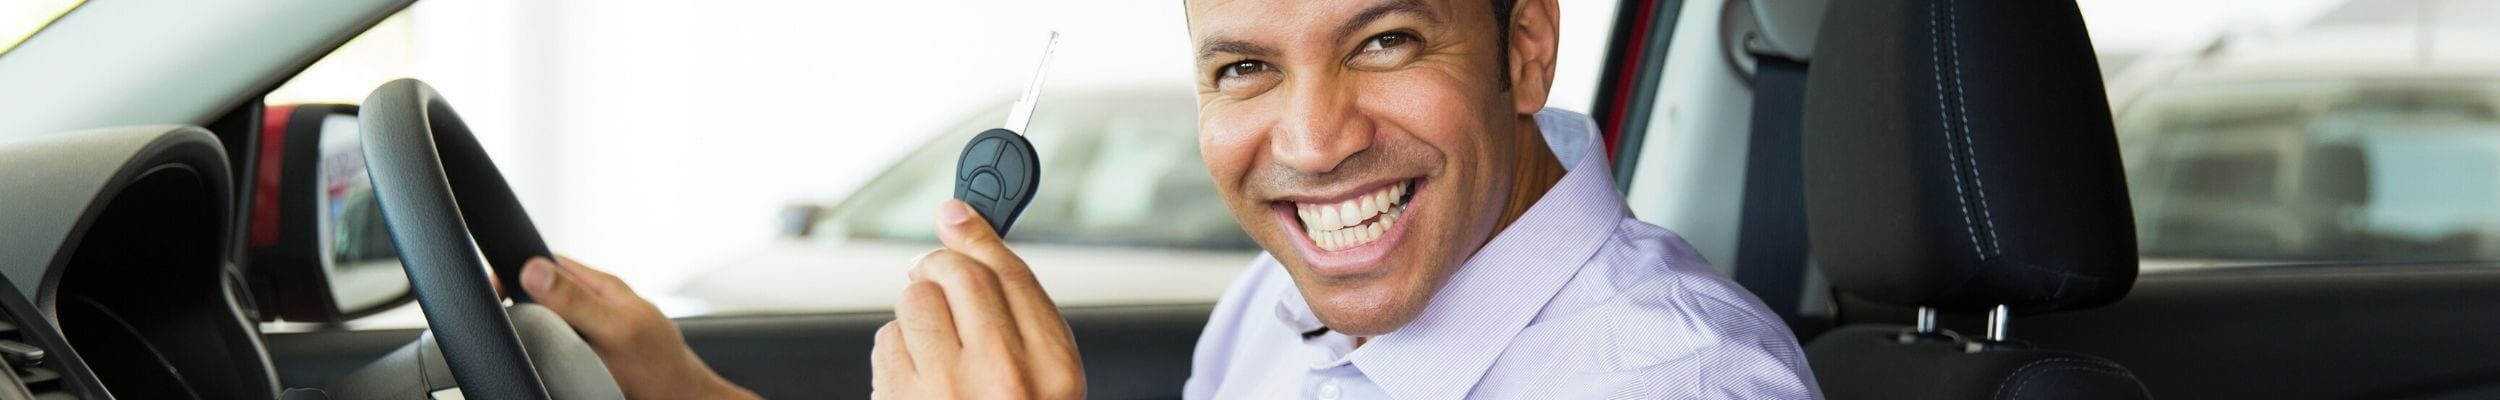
{"x": 982, "y": 320}
{"x": 600, "y": 306}
{"x": 928, "y": 329}
{"x": 974, "y": 315}
{"x": 546, "y": 282}
{"x": 961, "y": 229}
{"x": 608, "y": 282}
{"x": 892, "y": 368}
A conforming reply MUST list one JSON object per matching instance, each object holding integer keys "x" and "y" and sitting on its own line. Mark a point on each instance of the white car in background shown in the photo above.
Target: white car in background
{"x": 1126, "y": 215}
{"x": 2371, "y": 134}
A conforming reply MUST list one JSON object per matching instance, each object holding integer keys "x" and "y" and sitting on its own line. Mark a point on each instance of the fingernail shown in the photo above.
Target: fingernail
{"x": 954, "y": 212}
{"x": 537, "y": 275}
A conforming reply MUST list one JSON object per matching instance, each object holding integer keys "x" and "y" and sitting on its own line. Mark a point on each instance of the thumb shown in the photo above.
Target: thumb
{"x": 960, "y": 228}
{"x": 959, "y": 224}
{"x": 545, "y": 282}
{"x": 963, "y": 228}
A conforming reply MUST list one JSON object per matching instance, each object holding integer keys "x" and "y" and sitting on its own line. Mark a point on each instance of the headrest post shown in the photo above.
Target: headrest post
{"x": 1926, "y": 320}
{"x": 2000, "y": 320}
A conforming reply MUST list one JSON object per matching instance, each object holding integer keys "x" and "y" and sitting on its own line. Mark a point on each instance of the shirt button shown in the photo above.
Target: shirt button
{"x": 1328, "y": 390}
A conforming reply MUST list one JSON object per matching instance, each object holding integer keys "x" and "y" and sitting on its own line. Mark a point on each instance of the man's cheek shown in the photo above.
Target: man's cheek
{"x": 1429, "y": 103}
{"x": 1229, "y": 147}
{"x": 1229, "y": 141}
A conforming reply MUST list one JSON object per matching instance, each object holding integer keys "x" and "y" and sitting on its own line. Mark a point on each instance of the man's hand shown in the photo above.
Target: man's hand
{"x": 641, "y": 347}
{"x": 975, "y": 324}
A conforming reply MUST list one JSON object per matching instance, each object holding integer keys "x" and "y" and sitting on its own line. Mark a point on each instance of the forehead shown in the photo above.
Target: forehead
{"x": 1251, "y": 18}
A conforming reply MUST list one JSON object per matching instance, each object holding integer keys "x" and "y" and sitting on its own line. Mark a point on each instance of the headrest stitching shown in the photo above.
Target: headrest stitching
{"x": 1961, "y": 103}
{"x": 1935, "y": 64}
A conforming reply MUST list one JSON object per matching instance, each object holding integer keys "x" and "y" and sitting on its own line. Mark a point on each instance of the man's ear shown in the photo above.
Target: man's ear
{"x": 1534, "y": 38}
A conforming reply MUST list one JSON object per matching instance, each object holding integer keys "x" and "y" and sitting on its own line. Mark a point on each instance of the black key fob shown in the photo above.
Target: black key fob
{"x": 997, "y": 176}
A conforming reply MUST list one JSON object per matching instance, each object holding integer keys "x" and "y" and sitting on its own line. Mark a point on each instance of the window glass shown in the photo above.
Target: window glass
{"x": 2319, "y": 171}
{"x": 2309, "y": 132}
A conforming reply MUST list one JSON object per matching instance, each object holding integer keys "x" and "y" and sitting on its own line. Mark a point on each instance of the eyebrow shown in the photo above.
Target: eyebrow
{"x": 1415, "y": 8}
{"x": 1220, "y": 46}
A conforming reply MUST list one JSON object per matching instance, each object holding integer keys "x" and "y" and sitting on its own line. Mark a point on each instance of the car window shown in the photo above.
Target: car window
{"x": 20, "y": 19}
{"x": 2306, "y": 131}
{"x": 2318, "y": 170}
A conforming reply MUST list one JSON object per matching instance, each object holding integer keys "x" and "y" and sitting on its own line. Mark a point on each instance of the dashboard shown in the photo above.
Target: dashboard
{"x": 115, "y": 270}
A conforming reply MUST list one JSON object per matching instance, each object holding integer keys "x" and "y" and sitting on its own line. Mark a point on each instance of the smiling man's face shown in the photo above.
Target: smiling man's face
{"x": 1369, "y": 145}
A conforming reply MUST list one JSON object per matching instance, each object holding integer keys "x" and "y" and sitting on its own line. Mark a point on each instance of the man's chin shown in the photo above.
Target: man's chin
{"x": 1362, "y": 311}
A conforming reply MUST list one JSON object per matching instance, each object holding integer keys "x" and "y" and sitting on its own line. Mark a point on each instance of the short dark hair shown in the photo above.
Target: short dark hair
{"x": 1501, "y": 42}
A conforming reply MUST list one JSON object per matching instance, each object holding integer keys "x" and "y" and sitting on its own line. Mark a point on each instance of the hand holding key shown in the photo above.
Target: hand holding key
{"x": 974, "y": 323}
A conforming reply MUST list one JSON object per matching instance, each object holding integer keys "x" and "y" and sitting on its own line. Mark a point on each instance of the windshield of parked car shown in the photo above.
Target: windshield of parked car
{"x": 20, "y": 19}
{"x": 2318, "y": 170}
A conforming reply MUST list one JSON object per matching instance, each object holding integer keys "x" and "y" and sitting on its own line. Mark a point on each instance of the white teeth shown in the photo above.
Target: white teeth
{"x": 1340, "y": 225}
{"x": 1349, "y": 215}
{"x": 1376, "y": 202}
{"x": 1327, "y": 218}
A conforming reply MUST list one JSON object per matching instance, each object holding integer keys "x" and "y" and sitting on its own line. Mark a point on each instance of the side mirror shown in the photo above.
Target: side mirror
{"x": 319, "y": 250}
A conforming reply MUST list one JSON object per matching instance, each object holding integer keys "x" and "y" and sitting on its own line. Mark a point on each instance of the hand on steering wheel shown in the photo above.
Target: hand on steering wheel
{"x": 640, "y": 346}
{"x": 437, "y": 191}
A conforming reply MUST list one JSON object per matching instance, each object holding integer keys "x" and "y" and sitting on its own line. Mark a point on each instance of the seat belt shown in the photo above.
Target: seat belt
{"x": 1771, "y": 245}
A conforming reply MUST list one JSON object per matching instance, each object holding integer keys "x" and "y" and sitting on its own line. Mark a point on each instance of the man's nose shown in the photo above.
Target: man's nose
{"x": 1320, "y": 128}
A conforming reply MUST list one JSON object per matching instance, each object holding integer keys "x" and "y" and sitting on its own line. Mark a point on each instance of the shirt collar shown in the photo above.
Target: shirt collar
{"x": 1498, "y": 290}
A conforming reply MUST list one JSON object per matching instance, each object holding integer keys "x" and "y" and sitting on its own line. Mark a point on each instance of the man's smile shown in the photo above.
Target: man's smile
{"x": 1347, "y": 236}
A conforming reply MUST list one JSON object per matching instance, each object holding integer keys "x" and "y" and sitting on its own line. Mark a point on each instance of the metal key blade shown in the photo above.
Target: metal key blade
{"x": 1021, "y": 115}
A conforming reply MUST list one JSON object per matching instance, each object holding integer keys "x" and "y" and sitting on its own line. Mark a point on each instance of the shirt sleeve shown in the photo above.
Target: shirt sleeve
{"x": 1740, "y": 369}
{"x": 1753, "y": 357}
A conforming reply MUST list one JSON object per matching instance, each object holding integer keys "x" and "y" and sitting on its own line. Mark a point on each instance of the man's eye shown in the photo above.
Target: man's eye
{"x": 1385, "y": 51}
{"x": 1246, "y": 78}
{"x": 1239, "y": 69}
{"x": 1388, "y": 41}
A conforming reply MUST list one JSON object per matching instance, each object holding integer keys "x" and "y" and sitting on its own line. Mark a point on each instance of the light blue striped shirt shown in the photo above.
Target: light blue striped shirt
{"x": 1575, "y": 300}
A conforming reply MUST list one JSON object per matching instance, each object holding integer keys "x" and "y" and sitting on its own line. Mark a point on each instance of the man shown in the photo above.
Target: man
{"x": 1432, "y": 231}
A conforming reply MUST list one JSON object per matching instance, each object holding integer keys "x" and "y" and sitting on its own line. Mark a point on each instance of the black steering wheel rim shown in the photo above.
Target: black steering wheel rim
{"x": 447, "y": 208}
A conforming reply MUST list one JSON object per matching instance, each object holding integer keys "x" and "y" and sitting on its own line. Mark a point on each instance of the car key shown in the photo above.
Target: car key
{"x": 998, "y": 171}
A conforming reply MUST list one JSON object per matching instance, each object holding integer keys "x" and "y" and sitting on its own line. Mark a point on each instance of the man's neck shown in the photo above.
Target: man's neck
{"x": 1538, "y": 171}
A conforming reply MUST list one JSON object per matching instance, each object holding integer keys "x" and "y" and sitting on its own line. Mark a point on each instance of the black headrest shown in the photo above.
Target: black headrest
{"x": 1959, "y": 155}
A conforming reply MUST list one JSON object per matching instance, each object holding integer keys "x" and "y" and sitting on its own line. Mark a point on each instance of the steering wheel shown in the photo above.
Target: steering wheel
{"x": 437, "y": 190}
